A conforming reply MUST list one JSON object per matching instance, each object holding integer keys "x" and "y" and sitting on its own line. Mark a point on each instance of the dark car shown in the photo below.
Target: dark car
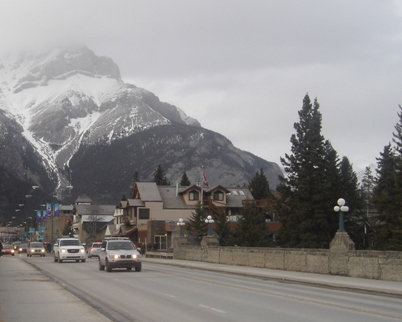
{"x": 23, "y": 248}
{"x": 8, "y": 250}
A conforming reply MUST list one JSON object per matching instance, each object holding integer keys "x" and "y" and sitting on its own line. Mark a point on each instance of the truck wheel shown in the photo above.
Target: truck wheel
{"x": 138, "y": 269}
{"x": 59, "y": 260}
{"x": 108, "y": 267}
{"x": 129, "y": 269}
{"x": 101, "y": 267}
{"x": 55, "y": 259}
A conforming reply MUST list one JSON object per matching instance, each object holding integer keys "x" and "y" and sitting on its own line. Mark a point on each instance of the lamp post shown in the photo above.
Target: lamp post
{"x": 209, "y": 221}
{"x": 341, "y": 208}
{"x": 181, "y": 224}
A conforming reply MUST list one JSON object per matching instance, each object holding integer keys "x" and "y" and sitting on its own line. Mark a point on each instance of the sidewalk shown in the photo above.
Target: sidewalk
{"x": 389, "y": 288}
{"x": 28, "y": 295}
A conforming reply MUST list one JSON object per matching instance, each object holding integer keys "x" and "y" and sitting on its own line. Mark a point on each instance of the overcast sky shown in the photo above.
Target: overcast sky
{"x": 242, "y": 68}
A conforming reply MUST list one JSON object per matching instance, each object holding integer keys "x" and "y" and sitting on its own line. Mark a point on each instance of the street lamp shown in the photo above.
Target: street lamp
{"x": 181, "y": 224}
{"x": 209, "y": 221}
{"x": 341, "y": 208}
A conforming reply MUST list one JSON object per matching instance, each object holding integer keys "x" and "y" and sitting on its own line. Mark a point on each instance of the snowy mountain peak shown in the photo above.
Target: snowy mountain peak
{"x": 68, "y": 97}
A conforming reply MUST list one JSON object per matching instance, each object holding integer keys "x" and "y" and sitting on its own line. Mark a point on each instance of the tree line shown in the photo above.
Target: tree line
{"x": 314, "y": 178}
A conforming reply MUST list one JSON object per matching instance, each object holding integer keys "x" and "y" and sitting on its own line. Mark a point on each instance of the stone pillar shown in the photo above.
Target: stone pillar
{"x": 178, "y": 242}
{"x": 339, "y": 253}
{"x": 207, "y": 241}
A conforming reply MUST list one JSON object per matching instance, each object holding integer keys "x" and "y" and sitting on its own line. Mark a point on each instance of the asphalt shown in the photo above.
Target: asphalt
{"x": 24, "y": 291}
{"x": 389, "y": 288}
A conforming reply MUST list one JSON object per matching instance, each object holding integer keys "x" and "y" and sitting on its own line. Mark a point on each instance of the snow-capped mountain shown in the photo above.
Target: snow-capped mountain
{"x": 67, "y": 119}
{"x": 69, "y": 97}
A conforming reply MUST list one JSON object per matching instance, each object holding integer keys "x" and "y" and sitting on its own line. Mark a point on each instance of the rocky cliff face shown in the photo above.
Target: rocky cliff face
{"x": 85, "y": 127}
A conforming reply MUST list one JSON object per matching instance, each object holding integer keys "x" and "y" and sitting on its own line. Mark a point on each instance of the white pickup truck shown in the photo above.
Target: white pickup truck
{"x": 69, "y": 249}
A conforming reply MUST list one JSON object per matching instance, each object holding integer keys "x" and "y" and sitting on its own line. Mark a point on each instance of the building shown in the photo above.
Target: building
{"x": 57, "y": 224}
{"x": 153, "y": 211}
{"x": 90, "y": 221}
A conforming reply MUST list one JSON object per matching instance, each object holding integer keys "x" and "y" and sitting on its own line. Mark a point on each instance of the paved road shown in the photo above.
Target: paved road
{"x": 173, "y": 293}
{"x": 28, "y": 295}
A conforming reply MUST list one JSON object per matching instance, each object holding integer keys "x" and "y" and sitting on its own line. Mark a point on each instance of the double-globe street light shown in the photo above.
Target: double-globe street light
{"x": 209, "y": 221}
{"x": 341, "y": 208}
{"x": 181, "y": 223}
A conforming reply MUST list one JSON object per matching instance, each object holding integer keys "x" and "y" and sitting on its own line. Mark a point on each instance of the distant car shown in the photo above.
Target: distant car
{"x": 36, "y": 248}
{"x": 94, "y": 249}
{"x": 69, "y": 249}
{"x": 22, "y": 248}
{"x": 119, "y": 252}
{"x": 8, "y": 250}
{"x": 16, "y": 245}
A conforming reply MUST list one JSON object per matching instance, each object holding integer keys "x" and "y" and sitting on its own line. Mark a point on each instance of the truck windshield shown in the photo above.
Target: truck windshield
{"x": 120, "y": 245}
{"x": 70, "y": 242}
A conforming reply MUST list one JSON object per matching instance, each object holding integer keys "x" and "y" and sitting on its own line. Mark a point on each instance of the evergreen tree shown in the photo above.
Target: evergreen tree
{"x": 311, "y": 180}
{"x": 68, "y": 229}
{"x": 259, "y": 186}
{"x": 251, "y": 230}
{"x": 355, "y": 218}
{"x": 221, "y": 227}
{"x": 196, "y": 226}
{"x": 387, "y": 201}
{"x": 366, "y": 193}
{"x": 184, "y": 180}
{"x": 160, "y": 177}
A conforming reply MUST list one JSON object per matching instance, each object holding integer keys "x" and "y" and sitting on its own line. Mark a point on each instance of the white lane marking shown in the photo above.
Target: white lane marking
{"x": 169, "y": 295}
{"x": 211, "y": 308}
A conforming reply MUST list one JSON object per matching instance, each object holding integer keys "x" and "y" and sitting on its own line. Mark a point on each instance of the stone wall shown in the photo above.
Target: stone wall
{"x": 336, "y": 261}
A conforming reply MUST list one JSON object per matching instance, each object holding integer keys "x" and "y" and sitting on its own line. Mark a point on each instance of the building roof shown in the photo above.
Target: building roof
{"x": 172, "y": 200}
{"x": 148, "y": 191}
{"x": 95, "y": 209}
{"x": 236, "y": 196}
{"x": 97, "y": 218}
{"x": 66, "y": 207}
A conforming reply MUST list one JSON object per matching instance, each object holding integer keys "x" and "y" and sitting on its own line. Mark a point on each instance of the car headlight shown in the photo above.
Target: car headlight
{"x": 20, "y": 249}
{"x": 42, "y": 250}
{"x": 82, "y": 250}
{"x": 32, "y": 250}
{"x": 12, "y": 251}
{"x": 134, "y": 256}
{"x": 63, "y": 250}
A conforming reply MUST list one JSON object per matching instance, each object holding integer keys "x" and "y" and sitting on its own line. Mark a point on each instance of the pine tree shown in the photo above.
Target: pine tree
{"x": 160, "y": 177}
{"x": 311, "y": 180}
{"x": 221, "y": 227}
{"x": 355, "y": 218}
{"x": 366, "y": 193}
{"x": 387, "y": 201}
{"x": 251, "y": 230}
{"x": 196, "y": 226}
{"x": 184, "y": 180}
{"x": 259, "y": 186}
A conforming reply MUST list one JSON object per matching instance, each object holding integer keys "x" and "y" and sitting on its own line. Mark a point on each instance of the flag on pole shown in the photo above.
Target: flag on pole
{"x": 38, "y": 215}
{"x": 56, "y": 209}
{"x": 204, "y": 179}
{"x": 45, "y": 215}
{"x": 48, "y": 209}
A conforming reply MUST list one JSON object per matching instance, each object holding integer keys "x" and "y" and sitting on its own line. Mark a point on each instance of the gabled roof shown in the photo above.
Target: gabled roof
{"x": 171, "y": 200}
{"x": 97, "y": 218}
{"x": 148, "y": 191}
{"x": 107, "y": 210}
{"x": 83, "y": 199}
{"x": 236, "y": 196}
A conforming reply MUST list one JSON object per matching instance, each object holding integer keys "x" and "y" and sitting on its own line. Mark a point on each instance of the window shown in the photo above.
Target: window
{"x": 218, "y": 195}
{"x": 160, "y": 242}
{"x": 193, "y": 195}
{"x": 143, "y": 213}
